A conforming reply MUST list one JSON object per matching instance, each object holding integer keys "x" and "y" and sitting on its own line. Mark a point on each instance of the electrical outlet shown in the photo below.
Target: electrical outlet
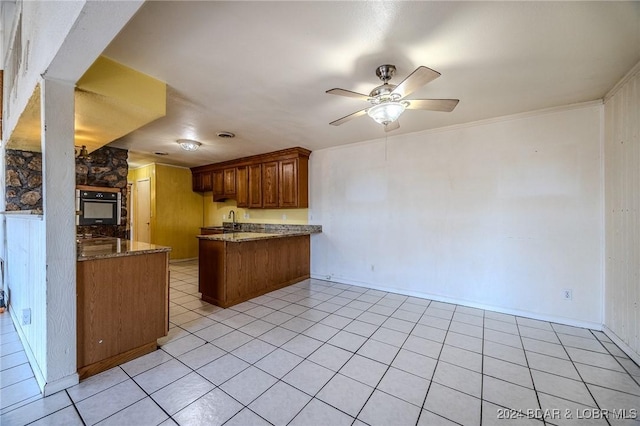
{"x": 284, "y": 217}
{"x": 26, "y": 316}
{"x": 224, "y": 217}
{"x": 567, "y": 294}
{"x": 246, "y": 215}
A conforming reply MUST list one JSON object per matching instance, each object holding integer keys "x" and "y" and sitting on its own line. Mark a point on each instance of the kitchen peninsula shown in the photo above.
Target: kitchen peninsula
{"x": 253, "y": 260}
{"x": 122, "y": 301}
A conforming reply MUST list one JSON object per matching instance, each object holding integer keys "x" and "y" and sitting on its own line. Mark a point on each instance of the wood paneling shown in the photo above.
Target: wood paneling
{"x": 122, "y": 305}
{"x": 622, "y": 212}
{"x": 233, "y": 272}
{"x": 26, "y": 279}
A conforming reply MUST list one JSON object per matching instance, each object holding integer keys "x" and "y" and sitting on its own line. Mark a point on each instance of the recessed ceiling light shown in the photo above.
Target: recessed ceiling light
{"x": 161, "y": 153}
{"x": 226, "y": 135}
{"x": 189, "y": 144}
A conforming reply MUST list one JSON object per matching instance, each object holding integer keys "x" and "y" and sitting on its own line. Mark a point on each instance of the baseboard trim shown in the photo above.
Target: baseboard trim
{"x": 621, "y": 344}
{"x": 463, "y": 302}
{"x": 27, "y": 350}
{"x": 46, "y": 388}
{"x": 182, "y": 260}
{"x": 61, "y": 384}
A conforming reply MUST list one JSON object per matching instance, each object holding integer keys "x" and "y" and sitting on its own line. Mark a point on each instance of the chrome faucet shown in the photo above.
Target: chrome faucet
{"x": 232, "y": 214}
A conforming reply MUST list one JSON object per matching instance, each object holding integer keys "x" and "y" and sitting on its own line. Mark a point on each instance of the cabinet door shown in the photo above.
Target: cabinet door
{"x": 242, "y": 186}
{"x": 255, "y": 185}
{"x": 270, "y": 184}
{"x": 218, "y": 185}
{"x": 207, "y": 181}
{"x": 229, "y": 182}
{"x": 288, "y": 185}
{"x": 196, "y": 182}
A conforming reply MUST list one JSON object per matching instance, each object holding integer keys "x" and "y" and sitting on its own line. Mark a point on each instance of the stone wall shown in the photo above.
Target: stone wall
{"x": 105, "y": 167}
{"x": 23, "y": 180}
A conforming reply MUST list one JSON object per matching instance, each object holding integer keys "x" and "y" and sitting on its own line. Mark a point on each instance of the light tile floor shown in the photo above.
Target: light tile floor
{"x": 321, "y": 353}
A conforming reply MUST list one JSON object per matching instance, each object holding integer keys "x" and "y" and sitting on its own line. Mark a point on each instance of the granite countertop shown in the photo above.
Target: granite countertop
{"x": 102, "y": 248}
{"x": 237, "y": 237}
{"x": 258, "y": 231}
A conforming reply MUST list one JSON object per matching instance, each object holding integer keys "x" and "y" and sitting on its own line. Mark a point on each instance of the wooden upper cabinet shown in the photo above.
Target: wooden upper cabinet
{"x": 270, "y": 184}
{"x": 218, "y": 185}
{"x": 229, "y": 182}
{"x": 288, "y": 184}
{"x": 207, "y": 182}
{"x": 242, "y": 186}
{"x": 255, "y": 186}
{"x": 196, "y": 182}
{"x": 274, "y": 180}
{"x": 224, "y": 184}
{"x": 202, "y": 182}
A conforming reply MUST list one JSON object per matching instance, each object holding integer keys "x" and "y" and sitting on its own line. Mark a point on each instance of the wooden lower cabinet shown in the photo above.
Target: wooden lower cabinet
{"x": 122, "y": 309}
{"x": 233, "y": 272}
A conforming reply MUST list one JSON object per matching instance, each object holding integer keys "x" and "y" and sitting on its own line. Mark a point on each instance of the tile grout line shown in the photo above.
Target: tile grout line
{"x": 389, "y": 366}
{"x": 345, "y": 288}
{"x": 637, "y": 380}
{"x": 526, "y": 358}
{"x": 435, "y": 367}
{"x": 579, "y": 374}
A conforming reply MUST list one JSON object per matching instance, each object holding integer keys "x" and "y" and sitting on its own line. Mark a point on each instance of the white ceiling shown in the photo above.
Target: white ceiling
{"x": 261, "y": 69}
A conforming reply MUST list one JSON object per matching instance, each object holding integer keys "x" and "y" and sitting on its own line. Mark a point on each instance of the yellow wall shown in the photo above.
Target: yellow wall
{"x": 176, "y": 211}
{"x": 214, "y": 211}
{"x": 179, "y": 212}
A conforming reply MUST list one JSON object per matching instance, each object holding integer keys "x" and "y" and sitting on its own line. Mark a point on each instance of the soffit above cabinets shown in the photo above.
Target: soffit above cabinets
{"x": 111, "y": 100}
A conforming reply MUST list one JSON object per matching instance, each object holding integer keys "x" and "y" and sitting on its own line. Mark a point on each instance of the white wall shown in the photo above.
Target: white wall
{"x": 503, "y": 214}
{"x": 26, "y": 282}
{"x": 59, "y": 41}
{"x": 45, "y": 25}
{"x": 622, "y": 212}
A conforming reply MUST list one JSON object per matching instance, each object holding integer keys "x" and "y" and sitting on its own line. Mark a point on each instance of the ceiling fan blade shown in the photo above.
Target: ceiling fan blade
{"x": 392, "y": 126}
{"x": 417, "y": 79}
{"x": 445, "y": 105}
{"x": 348, "y": 117}
{"x": 348, "y": 93}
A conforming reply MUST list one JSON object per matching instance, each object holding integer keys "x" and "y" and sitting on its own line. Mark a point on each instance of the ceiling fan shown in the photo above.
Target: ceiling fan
{"x": 388, "y": 100}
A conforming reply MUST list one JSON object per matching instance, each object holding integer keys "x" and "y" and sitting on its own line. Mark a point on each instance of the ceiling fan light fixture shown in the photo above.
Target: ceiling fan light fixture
{"x": 189, "y": 144}
{"x": 386, "y": 112}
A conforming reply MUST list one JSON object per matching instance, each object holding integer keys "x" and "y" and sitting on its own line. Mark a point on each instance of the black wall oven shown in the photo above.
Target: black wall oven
{"x": 98, "y": 207}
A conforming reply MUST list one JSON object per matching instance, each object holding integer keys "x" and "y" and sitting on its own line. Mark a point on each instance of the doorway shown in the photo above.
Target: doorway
{"x": 142, "y": 211}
